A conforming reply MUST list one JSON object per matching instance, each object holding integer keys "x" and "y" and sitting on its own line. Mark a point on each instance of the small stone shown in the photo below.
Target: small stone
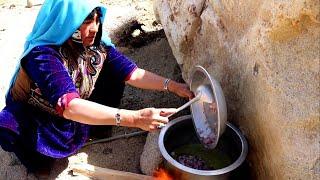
{"x": 136, "y": 33}
{"x": 29, "y": 3}
{"x": 155, "y": 23}
{"x": 12, "y": 6}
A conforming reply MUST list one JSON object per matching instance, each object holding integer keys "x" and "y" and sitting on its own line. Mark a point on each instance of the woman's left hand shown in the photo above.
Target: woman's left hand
{"x": 180, "y": 89}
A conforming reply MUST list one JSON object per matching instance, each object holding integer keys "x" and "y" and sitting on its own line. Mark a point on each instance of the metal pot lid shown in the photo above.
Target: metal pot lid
{"x": 209, "y": 113}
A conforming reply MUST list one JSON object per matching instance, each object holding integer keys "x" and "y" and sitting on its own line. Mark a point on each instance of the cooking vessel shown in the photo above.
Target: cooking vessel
{"x": 180, "y": 131}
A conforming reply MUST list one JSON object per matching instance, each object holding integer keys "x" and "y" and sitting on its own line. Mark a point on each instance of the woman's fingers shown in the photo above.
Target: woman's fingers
{"x": 183, "y": 90}
{"x": 152, "y": 127}
{"x": 156, "y": 126}
{"x": 161, "y": 119}
{"x": 159, "y": 115}
{"x": 152, "y": 119}
{"x": 167, "y": 111}
{"x": 156, "y": 123}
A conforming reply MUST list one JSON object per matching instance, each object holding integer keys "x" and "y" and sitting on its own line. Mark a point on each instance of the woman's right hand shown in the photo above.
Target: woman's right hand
{"x": 150, "y": 118}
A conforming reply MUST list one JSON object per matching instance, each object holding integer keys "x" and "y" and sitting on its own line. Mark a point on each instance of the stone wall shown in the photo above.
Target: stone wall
{"x": 266, "y": 56}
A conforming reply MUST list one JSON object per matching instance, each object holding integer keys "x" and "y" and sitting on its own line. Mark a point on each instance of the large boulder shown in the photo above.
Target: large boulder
{"x": 266, "y": 55}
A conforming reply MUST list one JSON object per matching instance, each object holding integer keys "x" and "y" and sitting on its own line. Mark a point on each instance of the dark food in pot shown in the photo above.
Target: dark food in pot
{"x": 192, "y": 162}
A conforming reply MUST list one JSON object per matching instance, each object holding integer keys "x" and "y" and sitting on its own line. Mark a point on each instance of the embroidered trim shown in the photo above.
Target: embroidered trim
{"x": 38, "y": 101}
{"x": 63, "y": 102}
{"x": 84, "y": 66}
{"x": 129, "y": 75}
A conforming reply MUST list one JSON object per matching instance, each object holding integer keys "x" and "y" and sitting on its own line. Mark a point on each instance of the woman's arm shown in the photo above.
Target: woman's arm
{"x": 88, "y": 112}
{"x": 45, "y": 69}
{"x": 141, "y": 78}
{"x": 128, "y": 71}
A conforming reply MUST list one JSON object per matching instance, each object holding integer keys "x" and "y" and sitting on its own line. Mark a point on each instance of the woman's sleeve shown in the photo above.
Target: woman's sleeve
{"x": 120, "y": 65}
{"x": 44, "y": 67}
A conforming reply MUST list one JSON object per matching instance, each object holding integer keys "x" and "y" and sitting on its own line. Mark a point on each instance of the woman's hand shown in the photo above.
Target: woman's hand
{"x": 150, "y": 118}
{"x": 180, "y": 89}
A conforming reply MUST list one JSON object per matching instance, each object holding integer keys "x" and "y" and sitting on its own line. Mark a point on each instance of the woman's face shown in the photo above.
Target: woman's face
{"x": 89, "y": 29}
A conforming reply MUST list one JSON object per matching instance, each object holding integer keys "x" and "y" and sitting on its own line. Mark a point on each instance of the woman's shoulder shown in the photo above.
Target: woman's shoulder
{"x": 44, "y": 50}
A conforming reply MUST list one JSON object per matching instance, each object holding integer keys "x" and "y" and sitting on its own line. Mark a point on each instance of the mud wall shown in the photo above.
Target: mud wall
{"x": 266, "y": 55}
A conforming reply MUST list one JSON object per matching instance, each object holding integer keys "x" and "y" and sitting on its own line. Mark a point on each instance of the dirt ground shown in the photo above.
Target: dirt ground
{"x": 149, "y": 49}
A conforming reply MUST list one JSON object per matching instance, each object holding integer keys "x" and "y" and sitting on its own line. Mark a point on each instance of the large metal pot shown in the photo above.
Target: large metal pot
{"x": 180, "y": 131}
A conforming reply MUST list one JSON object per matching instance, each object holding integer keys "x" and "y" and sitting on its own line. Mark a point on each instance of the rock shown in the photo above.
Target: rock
{"x": 151, "y": 156}
{"x": 34, "y": 3}
{"x": 156, "y": 57}
{"x": 266, "y": 58}
{"x": 12, "y": 6}
{"x": 11, "y": 168}
{"x": 17, "y": 172}
{"x": 29, "y": 3}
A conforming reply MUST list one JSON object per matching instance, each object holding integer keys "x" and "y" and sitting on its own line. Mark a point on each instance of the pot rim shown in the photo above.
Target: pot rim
{"x": 224, "y": 170}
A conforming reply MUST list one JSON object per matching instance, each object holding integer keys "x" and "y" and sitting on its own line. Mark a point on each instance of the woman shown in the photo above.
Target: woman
{"x": 70, "y": 77}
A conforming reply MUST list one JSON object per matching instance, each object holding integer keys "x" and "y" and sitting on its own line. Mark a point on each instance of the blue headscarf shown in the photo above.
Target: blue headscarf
{"x": 57, "y": 21}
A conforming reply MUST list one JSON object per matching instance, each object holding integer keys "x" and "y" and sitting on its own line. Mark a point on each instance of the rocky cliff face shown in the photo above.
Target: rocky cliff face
{"x": 266, "y": 56}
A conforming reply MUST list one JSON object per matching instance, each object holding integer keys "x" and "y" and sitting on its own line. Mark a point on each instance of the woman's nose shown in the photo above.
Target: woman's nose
{"x": 94, "y": 28}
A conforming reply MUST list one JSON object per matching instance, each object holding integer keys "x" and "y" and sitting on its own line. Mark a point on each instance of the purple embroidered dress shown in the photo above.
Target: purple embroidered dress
{"x": 48, "y": 73}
